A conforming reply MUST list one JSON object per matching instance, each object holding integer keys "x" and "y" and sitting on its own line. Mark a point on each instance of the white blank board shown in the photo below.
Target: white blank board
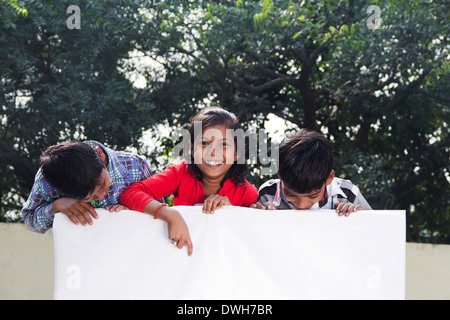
{"x": 239, "y": 254}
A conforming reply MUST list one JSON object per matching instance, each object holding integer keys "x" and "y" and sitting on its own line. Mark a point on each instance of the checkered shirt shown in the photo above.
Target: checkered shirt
{"x": 124, "y": 169}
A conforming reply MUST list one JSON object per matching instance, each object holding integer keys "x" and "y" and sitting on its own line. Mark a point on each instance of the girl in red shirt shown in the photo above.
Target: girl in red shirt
{"x": 213, "y": 175}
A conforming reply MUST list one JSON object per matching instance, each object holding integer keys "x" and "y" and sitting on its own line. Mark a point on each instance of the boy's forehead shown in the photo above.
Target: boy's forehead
{"x": 285, "y": 187}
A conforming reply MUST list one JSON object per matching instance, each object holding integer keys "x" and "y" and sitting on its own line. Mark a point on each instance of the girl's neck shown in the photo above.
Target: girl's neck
{"x": 211, "y": 185}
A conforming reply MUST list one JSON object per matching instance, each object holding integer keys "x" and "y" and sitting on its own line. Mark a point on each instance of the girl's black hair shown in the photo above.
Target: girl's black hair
{"x": 217, "y": 116}
{"x": 73, "y": 168}
{"x": 305, "y": 161}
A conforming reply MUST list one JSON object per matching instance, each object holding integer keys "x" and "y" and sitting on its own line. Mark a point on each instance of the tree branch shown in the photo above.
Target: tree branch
{"x": 433, "y": 96}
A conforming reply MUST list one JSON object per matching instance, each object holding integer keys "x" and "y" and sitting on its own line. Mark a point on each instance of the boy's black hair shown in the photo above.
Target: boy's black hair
{"x": 305, "y": 161}
{"x": 217, "y": 116}
{"x": 73, "y": 168}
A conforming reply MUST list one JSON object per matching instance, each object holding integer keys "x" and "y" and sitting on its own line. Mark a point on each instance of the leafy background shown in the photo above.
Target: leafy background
{"x": 136, "y": 71}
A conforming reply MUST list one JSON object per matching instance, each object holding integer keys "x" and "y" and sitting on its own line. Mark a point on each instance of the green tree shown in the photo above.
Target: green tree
{"x": 378, "y": 92}
{"x": 59, "y": 84}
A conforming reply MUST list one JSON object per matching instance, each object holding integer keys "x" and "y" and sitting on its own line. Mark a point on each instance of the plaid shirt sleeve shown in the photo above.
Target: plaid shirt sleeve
{"x": 37, "y": 212}
{"x": 145, "y": 170}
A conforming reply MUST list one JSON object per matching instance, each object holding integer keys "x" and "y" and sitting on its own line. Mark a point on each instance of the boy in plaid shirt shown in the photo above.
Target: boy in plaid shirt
{"x": 76, "y": 177}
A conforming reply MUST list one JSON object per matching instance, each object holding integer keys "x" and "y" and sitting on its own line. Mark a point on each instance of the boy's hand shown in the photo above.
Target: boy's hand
{"x": 346, "y": 208}
{"x": 178, "y": 230}
{"x": 214, "y": 202}
{"x": 77, "y": 211}
{"x": 269, "y": 205}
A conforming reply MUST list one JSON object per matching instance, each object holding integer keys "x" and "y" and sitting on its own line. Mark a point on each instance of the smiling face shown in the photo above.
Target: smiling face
{"x": 215, "y": 152}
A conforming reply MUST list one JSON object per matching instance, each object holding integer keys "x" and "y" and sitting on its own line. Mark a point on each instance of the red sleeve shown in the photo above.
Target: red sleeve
{"x": 139, "y": 194}
{"x": 249, "y": 195}
{"x": 242, "y": 196}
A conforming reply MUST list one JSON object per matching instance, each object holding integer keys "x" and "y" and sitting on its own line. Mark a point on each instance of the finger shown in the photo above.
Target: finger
{"x": 72, "y": 218}
{"x": 115, "y": 208}
{"x": 86, "y": 211}
{"x": 353, "y": 209}
{"x": 269, "y": 205}
{"x": 339, "y": 207}
{"x": 350, "y": 209}
{"x": 222, "y": 202}
{"x": 261, "y": 206}
{"x": 205, "y": 205}
{"x": 208, "y": 204}
{"x": 345, "y": 208}
{"x": 214, "y": 201}
{"x": 90, "y": 209}
{"x": 216, "y": 204}
{"x": 80, "y": 216}
{"x": 190, "y": 247}
{"x": 87, "y": 217}
{"x": 336, "y": 205}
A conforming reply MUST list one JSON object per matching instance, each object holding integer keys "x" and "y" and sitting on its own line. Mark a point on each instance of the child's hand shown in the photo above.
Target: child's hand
{"x": 116, "y": 208}
{"x": 269, "y": 205}
{"x": 178, "y": 230}
{"x": 77, "y": 211}
{"x": 346, "y": 208}
{"x": 214, "y": 202}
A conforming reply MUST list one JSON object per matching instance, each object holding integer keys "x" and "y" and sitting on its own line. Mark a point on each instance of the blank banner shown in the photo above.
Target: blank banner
{"x": 239, "y": 254}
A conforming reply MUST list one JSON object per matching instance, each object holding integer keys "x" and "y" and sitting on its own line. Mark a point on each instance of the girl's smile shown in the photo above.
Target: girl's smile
{"x": 215, "y": 152}
{"x": 213, "y": 164}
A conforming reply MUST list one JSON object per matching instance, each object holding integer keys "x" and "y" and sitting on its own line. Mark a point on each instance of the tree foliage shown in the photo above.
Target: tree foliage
{"x": 59, "y": 84}
{"x": 379, "y": 94}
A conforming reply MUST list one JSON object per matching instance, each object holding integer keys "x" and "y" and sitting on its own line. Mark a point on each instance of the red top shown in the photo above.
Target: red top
{"x": 186, "y": 189}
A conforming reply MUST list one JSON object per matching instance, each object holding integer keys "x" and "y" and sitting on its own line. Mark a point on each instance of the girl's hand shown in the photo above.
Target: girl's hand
{"x": 214, "y": 202}
{"x": 178, "y": 229}
{"x": 346, "y": 208}
{"x": 116, "y": 208}
{"x": 269, "y": 205}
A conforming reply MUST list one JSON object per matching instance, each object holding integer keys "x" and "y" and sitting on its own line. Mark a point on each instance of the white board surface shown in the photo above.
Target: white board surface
{"x": 239, "y": 254}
